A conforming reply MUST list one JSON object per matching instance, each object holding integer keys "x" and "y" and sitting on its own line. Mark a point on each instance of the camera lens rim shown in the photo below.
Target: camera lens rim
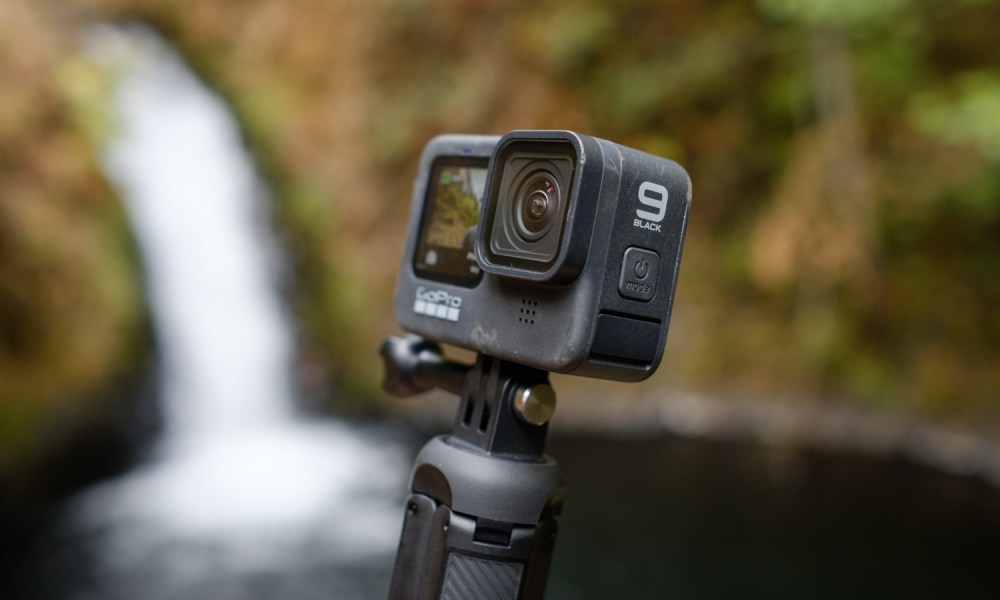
{"x": 536, "y": 204}
{"x": 505, "y": 241}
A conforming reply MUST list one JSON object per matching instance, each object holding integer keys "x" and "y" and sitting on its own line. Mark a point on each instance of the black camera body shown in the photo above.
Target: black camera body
{"x": 551, "y": 249}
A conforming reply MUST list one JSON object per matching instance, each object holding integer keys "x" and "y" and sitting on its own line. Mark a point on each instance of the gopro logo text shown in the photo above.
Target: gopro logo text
{"x": 438, "y": 304}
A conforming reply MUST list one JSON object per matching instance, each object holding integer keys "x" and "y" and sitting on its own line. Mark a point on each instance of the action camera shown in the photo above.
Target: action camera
{"x": 551, "y": 249}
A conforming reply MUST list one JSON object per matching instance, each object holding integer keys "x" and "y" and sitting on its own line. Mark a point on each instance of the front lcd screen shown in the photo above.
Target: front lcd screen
{"x": 446, "y": 247}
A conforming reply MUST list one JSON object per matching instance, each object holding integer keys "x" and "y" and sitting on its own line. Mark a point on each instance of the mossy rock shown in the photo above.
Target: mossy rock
{"x": 72, "y": 326}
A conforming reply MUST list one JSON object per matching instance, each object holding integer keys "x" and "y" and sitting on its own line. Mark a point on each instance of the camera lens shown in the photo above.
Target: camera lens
{"x": 529, "y": 203}
{"x": 536, "y": 205}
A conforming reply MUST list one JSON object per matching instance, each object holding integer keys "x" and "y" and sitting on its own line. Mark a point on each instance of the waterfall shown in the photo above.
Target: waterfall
{"x": 238, "y": 476}
{"x": 198, "y": 210}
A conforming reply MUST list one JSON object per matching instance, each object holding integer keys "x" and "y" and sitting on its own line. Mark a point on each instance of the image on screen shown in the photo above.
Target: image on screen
{"x": 446, "y": 250}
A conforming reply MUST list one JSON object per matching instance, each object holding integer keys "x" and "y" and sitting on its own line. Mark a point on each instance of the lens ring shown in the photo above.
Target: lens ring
{"x": 536, "y": 205}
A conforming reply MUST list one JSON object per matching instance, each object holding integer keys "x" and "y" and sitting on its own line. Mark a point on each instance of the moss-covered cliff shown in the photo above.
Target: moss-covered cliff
{"x": 70, "y": 311}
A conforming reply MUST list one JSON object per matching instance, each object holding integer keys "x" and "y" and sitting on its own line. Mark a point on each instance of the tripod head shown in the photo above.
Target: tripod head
{"x": 414, "y": 365}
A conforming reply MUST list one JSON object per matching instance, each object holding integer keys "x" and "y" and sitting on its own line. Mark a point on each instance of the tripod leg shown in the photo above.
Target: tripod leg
{"x": 447, "y": 556}
{"x": 421, "y": 554}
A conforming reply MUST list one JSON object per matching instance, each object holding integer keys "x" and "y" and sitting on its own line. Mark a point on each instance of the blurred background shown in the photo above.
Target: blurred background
{"x": 202, "y": 209}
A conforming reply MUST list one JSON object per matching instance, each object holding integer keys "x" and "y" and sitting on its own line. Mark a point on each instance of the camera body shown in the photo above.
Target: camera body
{"x": 551, "y": 249}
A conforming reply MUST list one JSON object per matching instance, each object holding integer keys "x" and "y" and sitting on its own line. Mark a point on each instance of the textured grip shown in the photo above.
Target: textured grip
{"x": 472, "y": 578}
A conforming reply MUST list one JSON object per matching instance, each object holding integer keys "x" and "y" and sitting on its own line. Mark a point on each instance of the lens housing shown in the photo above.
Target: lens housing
{"x": 540, "y": 206}
{"x": 529, "y": 208}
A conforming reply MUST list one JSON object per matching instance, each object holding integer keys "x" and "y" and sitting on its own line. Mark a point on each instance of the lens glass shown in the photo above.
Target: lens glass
{"x": 536, "y": 203}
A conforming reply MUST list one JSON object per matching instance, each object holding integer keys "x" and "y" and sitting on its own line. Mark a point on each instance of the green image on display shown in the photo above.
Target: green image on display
{"x": 456, "y": 207}
{"x": 446, "y": 251}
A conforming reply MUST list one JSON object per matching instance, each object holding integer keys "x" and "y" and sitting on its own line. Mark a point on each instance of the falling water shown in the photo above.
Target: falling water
{"x": 239, "y": 484}
{"x": 196, "y": 205}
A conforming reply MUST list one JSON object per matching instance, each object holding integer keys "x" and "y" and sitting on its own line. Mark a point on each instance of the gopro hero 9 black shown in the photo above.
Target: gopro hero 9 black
{"x": 551, "y": 249}
{"x": 541, "y": 251}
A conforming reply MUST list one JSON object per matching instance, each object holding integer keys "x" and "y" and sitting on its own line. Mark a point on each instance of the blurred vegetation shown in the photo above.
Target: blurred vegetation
{"x": 845, "y": 236}
{"x": 71, "y": 320}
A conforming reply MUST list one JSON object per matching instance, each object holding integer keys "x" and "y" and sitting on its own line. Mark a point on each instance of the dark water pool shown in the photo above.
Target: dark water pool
{"x": 684, "y": 519}
{"x": 650, "y": 518}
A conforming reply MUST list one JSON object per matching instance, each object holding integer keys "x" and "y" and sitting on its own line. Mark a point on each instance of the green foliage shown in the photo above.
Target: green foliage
{"x": 966, "y": 112}
{"x": 71, "y": 322}
{"x": 836, "y": 13}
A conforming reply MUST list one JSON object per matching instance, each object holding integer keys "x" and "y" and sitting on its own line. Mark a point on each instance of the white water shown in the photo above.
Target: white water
{"x": 236, "y": 470}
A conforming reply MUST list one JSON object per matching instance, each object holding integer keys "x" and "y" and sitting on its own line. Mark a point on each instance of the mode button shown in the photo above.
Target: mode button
{"x": 640, "y": 269}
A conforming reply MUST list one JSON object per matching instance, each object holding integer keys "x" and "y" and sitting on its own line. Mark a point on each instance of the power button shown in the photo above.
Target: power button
{"x": 640, "y": 269}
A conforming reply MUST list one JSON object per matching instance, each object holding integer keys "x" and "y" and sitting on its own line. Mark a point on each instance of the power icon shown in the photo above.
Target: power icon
{"x": 641, "y": 268}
